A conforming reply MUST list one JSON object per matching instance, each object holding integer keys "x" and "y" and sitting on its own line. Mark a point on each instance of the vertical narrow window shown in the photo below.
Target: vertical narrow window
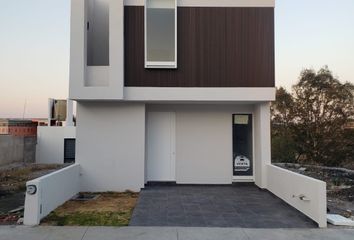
{"x": 97, "y": 32}
{"x": 242, "y": 145}
{"x": 161, "y": 33}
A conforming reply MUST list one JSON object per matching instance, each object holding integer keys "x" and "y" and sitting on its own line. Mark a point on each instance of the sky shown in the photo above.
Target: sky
{"x": 34, "y": 48}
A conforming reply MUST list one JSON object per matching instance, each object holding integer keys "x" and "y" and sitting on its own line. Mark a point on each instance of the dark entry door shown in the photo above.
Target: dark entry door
{"x": 242, "y": 146}
{"x": 69, "y": 150}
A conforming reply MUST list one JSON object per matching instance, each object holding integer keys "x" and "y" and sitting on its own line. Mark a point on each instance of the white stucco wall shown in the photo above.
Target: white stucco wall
{"x": 107, "y": 82}
{"x": 53, "y": 190}
{"x": 111, "y": 143}
{"x": 262, "y": 143}
{"x": 291, "y": 186}
{"x": 230, "y": 95}
{"x": 50, "y": 143}
{"x": 110, "y": 146}
{"x": 204, "y": 147}
{"x": 203, "y": 141}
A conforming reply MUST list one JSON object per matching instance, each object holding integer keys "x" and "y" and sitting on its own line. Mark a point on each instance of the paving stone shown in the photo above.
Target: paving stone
{"x": 130, "y": 233}
{"x": 22, "y": 232}
{"x": 72, "y": 233}
{"x": 215, "y": 206}
{"x": 210, "y": 234}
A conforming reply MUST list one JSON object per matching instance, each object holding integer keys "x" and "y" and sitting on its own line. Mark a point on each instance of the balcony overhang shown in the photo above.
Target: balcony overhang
{"x": 175, "y": 94}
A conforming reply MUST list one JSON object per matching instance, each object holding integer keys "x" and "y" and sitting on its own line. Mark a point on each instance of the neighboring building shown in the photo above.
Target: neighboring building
{"x": 172, "y": 91}
{"x": 18, "y": 127}
{"x": 40, "y": 121}
{"x": 58, "y": 110}
{"x": 56, "y": 142}
{"x": 17, "y": 141}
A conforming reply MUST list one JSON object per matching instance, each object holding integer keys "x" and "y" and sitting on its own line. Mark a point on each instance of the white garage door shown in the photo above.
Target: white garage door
{"x": 161, "y": 146}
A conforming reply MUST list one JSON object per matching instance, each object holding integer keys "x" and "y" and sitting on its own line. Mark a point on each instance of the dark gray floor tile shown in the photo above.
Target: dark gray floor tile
{"x": 215, "y": 206}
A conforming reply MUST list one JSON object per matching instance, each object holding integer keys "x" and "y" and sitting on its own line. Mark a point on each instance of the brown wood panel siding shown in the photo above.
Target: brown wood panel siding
{"x": 217, "y": 47}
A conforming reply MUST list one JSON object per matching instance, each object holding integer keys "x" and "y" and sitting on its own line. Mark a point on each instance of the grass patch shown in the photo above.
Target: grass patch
{"x": 109, "y": 209}
{"x": 89, "y": 219}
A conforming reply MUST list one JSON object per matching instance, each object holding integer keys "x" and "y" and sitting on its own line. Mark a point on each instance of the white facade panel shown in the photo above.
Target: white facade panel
{"x": 204, "y": 148}
{"x": 110, "y": 146}
{"x": 180, "y": 94}
{"x": 262, "y": 140}
{"x": 203, "y": 141}
{"x": 97, "y": 76}
{"x": 98, "y": 82}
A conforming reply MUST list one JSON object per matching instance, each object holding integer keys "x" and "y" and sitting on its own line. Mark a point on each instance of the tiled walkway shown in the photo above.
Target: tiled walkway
{"x": 215, "y": 206}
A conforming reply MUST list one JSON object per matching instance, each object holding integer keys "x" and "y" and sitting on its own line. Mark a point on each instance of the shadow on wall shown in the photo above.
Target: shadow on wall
{"x": 17, "y": 149}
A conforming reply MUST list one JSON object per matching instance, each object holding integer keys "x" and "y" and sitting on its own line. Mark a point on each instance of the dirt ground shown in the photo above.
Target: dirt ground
{"x": 340, "y": 186}
{"x": 13, "y": 180}
{"x": 108, "y": 209}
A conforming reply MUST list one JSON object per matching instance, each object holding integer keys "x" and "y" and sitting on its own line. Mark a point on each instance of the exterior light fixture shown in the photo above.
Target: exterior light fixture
{"x": 31, "y": 189}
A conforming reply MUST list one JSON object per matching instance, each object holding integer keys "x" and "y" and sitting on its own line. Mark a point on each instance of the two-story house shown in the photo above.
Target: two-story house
{"x": 172, "y": 91}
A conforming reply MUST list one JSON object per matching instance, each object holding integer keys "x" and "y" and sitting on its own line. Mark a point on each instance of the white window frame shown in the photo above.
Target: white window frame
{"x": 157, "y": 64}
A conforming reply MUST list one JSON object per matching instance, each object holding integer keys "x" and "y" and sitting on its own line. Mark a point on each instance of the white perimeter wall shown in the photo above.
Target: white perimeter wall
{"x": 203, "y": 141}
{"x": 290, "y": 186}
{"x": 110, "y": 146}
{"x": 53, "y": 190}
{"x": 50, "y": 143}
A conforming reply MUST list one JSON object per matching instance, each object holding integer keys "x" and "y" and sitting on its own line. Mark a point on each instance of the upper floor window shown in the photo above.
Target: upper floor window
{"x": 97, "y": 32}
{"x": 161, "y": 33}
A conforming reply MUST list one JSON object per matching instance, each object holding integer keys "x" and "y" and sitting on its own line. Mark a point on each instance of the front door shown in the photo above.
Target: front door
{"x": 242, "y": 161}
{"x": 161, "y": 146}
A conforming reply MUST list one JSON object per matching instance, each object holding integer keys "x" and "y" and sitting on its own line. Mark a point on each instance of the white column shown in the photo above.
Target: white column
{"x": 262, "y": 143}
{"x": 69, "y": 113}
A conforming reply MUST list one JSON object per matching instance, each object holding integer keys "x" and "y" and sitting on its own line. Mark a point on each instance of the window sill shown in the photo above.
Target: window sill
{"x": 165, "y": 65}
